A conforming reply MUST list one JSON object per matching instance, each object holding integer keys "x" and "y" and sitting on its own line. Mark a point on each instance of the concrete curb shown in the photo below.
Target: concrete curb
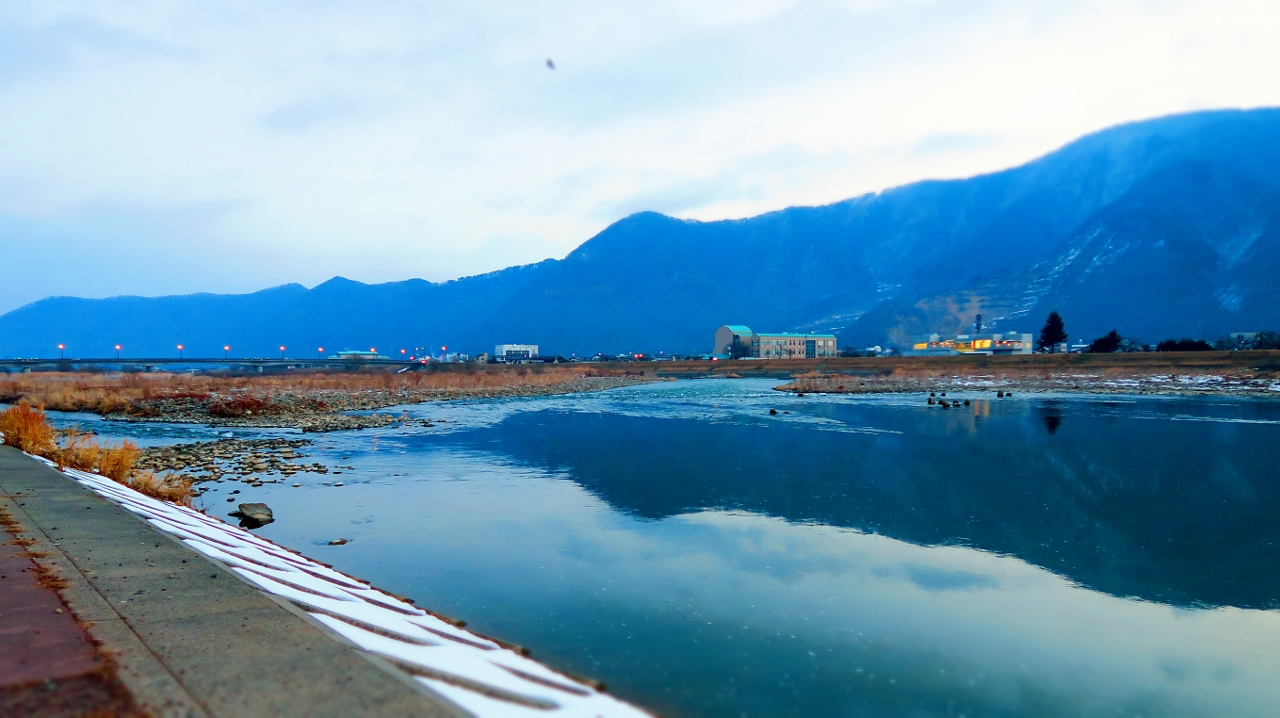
{"x": 190, "y": 638}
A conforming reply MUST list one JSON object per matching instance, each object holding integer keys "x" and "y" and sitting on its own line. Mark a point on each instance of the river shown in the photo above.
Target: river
{"x": 1039, "y": 555}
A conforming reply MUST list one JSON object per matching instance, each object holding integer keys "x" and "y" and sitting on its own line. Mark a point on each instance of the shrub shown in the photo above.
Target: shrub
{"x": 1106, "y": 344}
{"x": 1184, "y": 345}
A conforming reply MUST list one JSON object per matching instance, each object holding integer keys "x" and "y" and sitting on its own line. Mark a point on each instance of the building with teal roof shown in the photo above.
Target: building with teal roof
{"x": 738, "y": 341}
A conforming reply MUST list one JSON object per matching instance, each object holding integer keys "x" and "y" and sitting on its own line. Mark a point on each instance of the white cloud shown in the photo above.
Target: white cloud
{"x": 389, "y": 141}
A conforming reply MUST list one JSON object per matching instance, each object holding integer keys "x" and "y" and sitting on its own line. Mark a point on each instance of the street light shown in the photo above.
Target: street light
{"x": 282, "y": 352}
{"x": 320, "y": 353}
{"x": 61, "y": 355}
{"x": 117, "y": 351}
{"x": 179, "y": 351}
{"x": 226, "y": 351}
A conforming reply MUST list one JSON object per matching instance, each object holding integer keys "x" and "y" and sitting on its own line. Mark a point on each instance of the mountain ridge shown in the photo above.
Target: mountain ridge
{"x": 1193, "y": 200}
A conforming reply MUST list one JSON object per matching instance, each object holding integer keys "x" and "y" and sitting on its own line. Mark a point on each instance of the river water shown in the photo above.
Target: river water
{"x": 851, "y": 556}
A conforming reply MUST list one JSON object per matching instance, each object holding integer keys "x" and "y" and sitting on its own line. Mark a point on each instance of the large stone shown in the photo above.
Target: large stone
{"x": 253, "y": 515}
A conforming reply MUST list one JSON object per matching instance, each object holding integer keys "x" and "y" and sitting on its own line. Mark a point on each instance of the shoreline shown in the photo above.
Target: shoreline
{"x": 296, "y": 410}
{"x": 1139, "y": 385}
{"x": 280, "y": 633}
{"x": 305, "y": 403}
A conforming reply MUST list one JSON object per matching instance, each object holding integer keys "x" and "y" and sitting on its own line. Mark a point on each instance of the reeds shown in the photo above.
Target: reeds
{"x": 25, "y": 428}
{"x": 116, "y": 463}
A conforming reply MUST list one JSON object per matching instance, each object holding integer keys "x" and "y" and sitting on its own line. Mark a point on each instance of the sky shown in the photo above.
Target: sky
{"x": 174, "y": 147}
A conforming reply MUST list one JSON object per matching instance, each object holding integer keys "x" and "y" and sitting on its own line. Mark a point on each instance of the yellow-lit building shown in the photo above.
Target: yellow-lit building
{"x": 938, "y": 345}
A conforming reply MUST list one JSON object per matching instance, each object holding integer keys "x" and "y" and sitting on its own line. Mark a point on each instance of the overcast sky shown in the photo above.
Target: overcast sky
{"x": 169, "y": 147}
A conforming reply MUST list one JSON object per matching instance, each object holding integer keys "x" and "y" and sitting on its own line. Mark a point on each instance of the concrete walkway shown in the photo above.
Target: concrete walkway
{"x": 189, "y": 638}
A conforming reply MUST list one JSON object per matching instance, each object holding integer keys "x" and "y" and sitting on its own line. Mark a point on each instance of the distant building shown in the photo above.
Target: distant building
{"x": 514, "y": 352}
{"x": 730, "y": 337}
{"x": 735, "y": 340}
{"x": 351, "y": 355}
{"x": 938, "y": 345}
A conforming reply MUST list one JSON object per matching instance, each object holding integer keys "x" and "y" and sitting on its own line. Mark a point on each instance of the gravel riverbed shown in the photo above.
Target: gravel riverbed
{"x": 325, "y": 410}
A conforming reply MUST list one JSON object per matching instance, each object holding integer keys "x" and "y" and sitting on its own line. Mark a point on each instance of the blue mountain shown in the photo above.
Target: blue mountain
{"x": 1160, "y": 228}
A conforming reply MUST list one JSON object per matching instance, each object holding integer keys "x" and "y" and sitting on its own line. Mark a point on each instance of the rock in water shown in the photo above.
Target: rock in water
{"x": 253, "y": 515}
{"x": 338, "y": 542}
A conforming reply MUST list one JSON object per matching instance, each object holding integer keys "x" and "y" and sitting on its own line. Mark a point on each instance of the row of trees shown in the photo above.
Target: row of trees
{"x": 1054, "y": 334}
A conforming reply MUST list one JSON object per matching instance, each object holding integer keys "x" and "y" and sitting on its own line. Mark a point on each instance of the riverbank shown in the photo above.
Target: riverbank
{"x": 186, "y": 637}
{"x": 1150, "y": 384}
{"x": 1170, "y": 373}
{"x": 314, "y": 402}
{"x": 203, "y": 618}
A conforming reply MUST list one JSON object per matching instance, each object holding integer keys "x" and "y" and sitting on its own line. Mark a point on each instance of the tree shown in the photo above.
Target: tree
{"x": 1054, "y": 332}
{"x": 1184, "y": 345}
{"x": 1107, "y": 343}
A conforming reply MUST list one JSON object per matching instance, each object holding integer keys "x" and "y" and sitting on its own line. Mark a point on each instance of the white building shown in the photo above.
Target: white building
{"x": 510, "y": 352}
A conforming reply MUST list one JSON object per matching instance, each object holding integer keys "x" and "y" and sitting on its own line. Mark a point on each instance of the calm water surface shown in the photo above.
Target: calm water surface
{"x": 1031, "y": 556}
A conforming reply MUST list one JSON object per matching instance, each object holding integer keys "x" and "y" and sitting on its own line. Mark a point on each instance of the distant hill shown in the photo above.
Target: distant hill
{"x": 1161, "y": 228}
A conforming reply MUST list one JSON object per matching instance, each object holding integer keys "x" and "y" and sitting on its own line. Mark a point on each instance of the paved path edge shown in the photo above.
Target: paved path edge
{"x": 40, "y": 498}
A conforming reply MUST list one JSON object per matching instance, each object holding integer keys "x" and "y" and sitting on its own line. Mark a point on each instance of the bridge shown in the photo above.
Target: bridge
{"x": 244, "y": 364}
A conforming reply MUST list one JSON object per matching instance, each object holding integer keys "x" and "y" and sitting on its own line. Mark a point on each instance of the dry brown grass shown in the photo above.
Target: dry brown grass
{"x": 170, "y": 489}
{"x": 26, "y": 428}
{"x": 79, "y": 451}
{"x": 116, "y": 463}
{"x": 234, "y": 395}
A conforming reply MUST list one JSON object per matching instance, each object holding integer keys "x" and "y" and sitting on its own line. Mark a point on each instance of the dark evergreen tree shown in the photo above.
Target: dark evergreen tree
{"x": 1054, "y": 332}
{"x": 1107, "y": 343}
{"x": 1184, "y": 345}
